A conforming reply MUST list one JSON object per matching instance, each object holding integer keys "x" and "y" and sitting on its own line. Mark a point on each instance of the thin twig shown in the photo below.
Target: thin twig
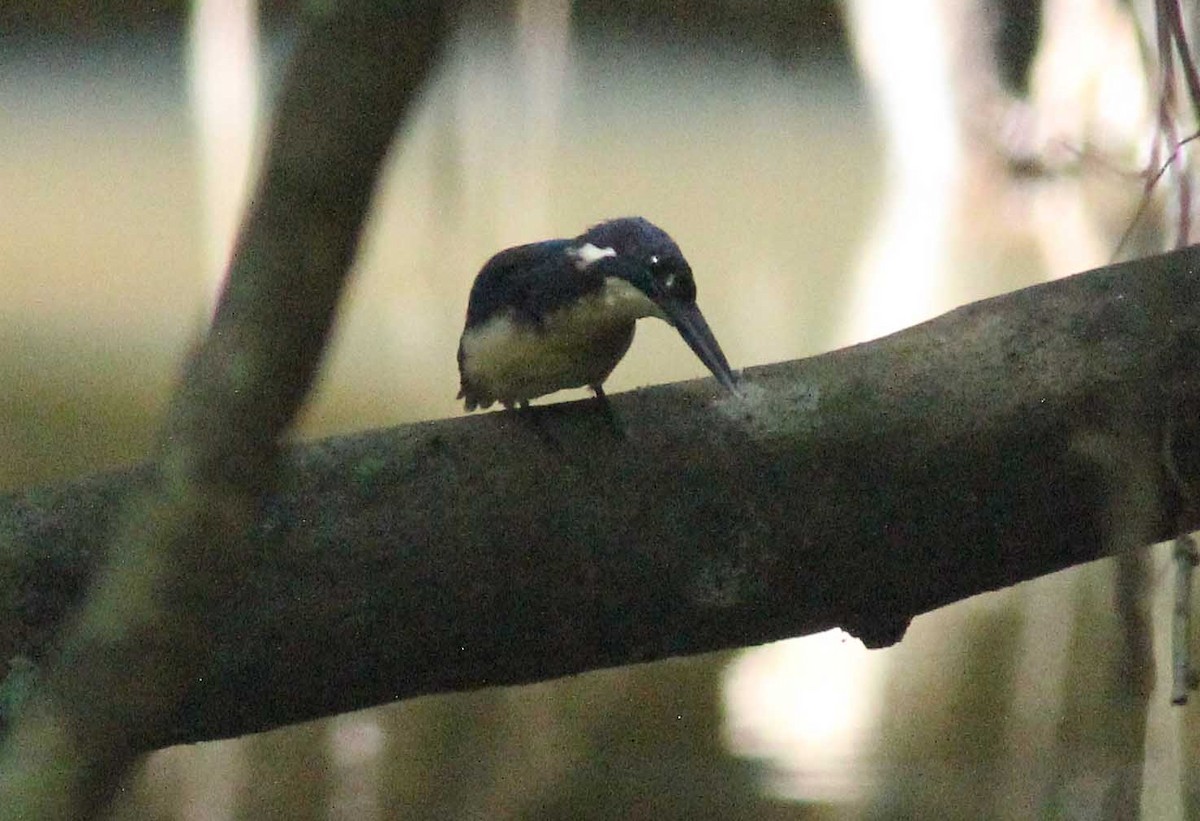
{"x": 1151, "y": 182}
{"x": 1174, "y": 19}
{"x": 1166, "y": 19}
{"x": 1183, "y": 673}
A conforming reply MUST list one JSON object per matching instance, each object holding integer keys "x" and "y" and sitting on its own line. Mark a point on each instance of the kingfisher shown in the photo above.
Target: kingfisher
{"x": 561, "y": 313}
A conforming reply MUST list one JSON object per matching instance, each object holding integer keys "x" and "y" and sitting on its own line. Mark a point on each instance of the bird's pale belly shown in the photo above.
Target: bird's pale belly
{"x": 510, "y": 362}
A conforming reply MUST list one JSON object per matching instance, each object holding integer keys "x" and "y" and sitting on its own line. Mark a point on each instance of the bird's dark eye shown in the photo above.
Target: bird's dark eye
{"x": 673, "y": 277}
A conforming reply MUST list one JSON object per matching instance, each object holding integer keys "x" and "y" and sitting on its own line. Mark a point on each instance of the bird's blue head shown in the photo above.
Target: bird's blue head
{"x": 644, "y": 255}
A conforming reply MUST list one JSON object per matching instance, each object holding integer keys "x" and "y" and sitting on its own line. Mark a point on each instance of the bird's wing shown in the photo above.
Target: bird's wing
{"x": 530, "y": 280}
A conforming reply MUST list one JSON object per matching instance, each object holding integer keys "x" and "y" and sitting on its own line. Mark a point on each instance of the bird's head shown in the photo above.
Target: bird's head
{"x": 644, "y": 255}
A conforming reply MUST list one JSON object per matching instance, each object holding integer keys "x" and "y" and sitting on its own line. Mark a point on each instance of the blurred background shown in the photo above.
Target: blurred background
{"x": 833, "y": 171}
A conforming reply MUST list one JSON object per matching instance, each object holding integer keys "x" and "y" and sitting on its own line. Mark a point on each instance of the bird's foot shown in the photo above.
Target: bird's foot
{"x": 610, "y": 415}
{"x": 532, "y": 419}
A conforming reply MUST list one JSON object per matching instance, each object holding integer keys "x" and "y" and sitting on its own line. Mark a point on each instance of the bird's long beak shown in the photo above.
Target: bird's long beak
{"x": 690, "y": 323}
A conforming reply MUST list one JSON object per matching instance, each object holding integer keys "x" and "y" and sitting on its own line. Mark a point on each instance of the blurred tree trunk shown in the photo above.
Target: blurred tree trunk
{"x": 143, "y": 634}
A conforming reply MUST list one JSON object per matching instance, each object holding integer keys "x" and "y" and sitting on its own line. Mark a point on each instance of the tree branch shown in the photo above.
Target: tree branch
{"x": 144, "y": 631}
{"x": 1001, "y": 441}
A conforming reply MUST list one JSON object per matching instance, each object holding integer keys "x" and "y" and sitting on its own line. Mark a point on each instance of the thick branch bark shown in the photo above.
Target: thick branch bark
{"x": 1002, "y": 441}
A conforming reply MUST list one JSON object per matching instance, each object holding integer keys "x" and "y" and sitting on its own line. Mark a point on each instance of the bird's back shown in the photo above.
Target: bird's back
{"x": 531, "y": 280}
{"x": 522, "y": 338}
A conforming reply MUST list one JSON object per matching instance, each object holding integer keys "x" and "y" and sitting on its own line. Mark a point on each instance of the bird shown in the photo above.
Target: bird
{"x": 561, "y": 313}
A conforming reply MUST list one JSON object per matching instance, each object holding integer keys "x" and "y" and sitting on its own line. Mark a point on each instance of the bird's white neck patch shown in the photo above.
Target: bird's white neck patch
{"x": 621, "y": 301}
{"x": 587, "y": 253}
